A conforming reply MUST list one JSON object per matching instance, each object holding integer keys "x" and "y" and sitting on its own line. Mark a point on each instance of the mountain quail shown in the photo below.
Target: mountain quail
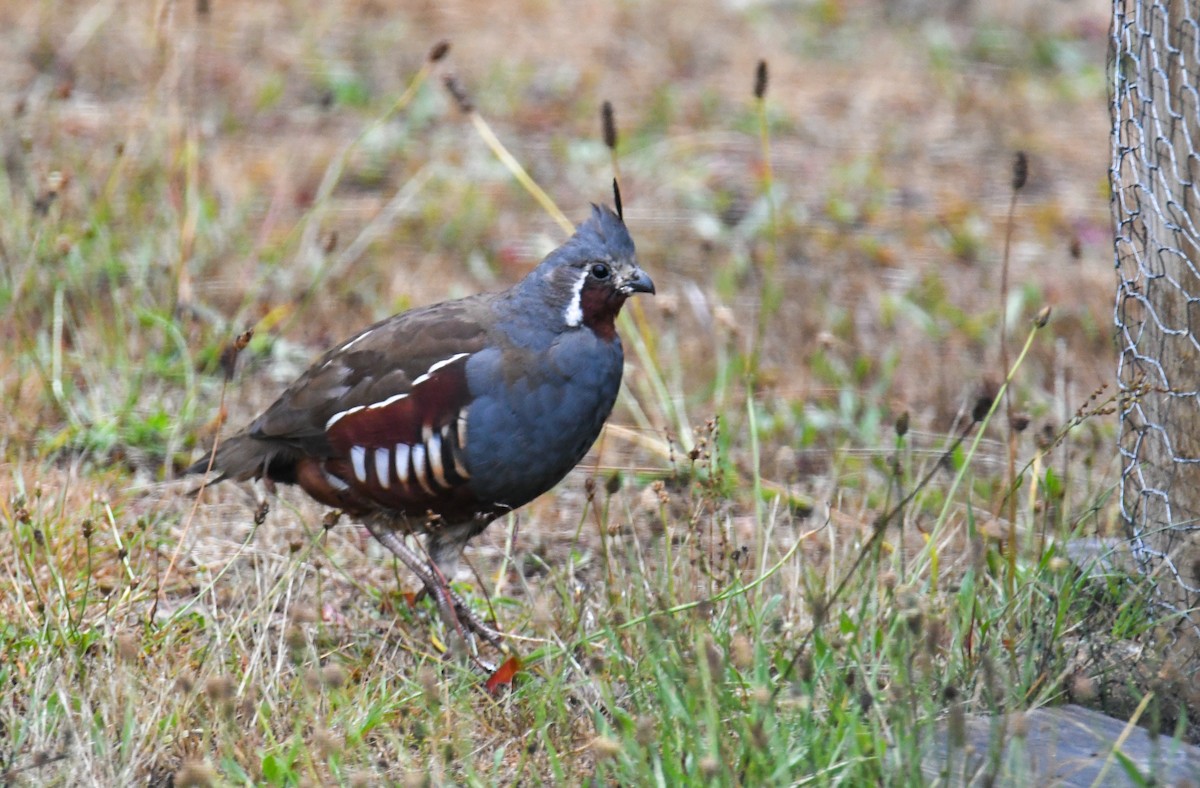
{"x": 439, "y": 420}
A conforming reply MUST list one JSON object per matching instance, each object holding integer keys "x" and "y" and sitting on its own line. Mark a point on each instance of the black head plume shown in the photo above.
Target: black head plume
{"x": 617, "y": 200}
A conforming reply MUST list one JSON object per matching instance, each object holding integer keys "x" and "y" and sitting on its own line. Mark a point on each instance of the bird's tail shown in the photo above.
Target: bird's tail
{"x": 238, "y": 457}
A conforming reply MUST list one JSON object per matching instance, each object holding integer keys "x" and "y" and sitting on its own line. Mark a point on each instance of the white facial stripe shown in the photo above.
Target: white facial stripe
{"x": 335, "y": 418}
{"x": 383, "y": 459}
{"x": 358, "y": 457}
{"x": 418, "y": 463}
{"x": 574, "y": 314}
{"x": 402, "y": 452}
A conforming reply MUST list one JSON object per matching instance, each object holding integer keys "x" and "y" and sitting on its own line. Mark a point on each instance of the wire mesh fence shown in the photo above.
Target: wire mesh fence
{"x": 1155, "y": 176}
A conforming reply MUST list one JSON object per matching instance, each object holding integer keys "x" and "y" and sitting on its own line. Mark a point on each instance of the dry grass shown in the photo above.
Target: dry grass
{"x": 162, "y": 191}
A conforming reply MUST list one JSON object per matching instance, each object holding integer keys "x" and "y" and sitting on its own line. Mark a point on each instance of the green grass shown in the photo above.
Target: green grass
{"x": 782, "y": 565}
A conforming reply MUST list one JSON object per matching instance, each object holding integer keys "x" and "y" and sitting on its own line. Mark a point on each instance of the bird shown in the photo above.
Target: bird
{"x": 438, "y": 420}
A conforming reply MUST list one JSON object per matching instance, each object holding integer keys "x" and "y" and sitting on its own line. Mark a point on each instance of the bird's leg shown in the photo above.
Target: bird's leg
{"x": 453, "y": 608}
{"x": 473, "y": 622}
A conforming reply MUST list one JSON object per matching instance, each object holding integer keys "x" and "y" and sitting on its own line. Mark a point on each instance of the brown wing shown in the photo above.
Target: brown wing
{"x": 378, "y": 421}
{"x": 380, "y": 363}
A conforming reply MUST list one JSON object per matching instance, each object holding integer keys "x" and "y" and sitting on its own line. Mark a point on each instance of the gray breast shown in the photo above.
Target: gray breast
{"x": 528, "y": 428}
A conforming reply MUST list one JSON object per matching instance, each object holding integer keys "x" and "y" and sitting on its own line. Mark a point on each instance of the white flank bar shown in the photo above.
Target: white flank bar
{"x": 402, "y": 452}
{"x": 418, "y": 462}
{"x": 383, "y": 458}
{"x": 358, "y": 457}
{"x": 433, "y": 446}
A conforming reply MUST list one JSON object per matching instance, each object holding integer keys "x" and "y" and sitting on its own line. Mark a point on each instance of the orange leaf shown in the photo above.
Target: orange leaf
{"x": 503, "y": 675}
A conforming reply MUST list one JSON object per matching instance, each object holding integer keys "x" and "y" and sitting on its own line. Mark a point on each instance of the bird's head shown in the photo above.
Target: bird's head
{"x": 588, "y": 278}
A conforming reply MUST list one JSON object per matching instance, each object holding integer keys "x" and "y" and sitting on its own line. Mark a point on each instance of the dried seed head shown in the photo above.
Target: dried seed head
{"x": 645, "y": 730}
{"x": 1019, "y": 422}
{"x": 1019, "y": 724}
{"x": 333, "y": 675}
{"x": 901, "y": 425}
{"x": 610, "y": 125}
{"x": 295, "y": 639}
{"x": 989, "y": 389}
{"x": 612, "y": 484}
{"x": 714, "y": 658}
{"x": 742, "y": 652}
{"x": 1043, "y": 317}
{"x": 935, "y": 632}
{"x": 326, "y": 743}
{"x": 760, "y": 80}
{"x": 427, "y": 678}
{"x": 1020, "y": 170}
{"x": 459, "y": 94}
{"x": 605, "y": 747}
{"x": 805, "y": 665}
{"x": 418, "y": 779}
{"x": 439, "y": 51}
{"x": 195, "y": 774}
{"x": 229, "y": 355}
{"x": 957, "y": 726}
{"x": 1083, "y": 688}
{"x": 219, "y": 688}
{"x": 127, "y": 647}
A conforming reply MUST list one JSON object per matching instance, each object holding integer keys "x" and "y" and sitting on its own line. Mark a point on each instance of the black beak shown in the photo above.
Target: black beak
{"x": 639, "y": 282}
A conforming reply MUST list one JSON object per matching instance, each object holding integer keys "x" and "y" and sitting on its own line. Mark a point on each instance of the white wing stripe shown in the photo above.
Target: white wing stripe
{"x": 388, "y": 401}
{"x": 435, "y": 367}
{"x": 335, "y": 418}
{"x": 446, "y": 362}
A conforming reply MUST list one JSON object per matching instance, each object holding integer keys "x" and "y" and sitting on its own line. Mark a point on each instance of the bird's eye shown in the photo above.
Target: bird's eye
{"x": 601, "y": 271}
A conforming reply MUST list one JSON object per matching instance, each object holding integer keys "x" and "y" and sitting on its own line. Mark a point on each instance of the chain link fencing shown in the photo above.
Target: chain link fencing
{"x": 1155, "y": 176}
